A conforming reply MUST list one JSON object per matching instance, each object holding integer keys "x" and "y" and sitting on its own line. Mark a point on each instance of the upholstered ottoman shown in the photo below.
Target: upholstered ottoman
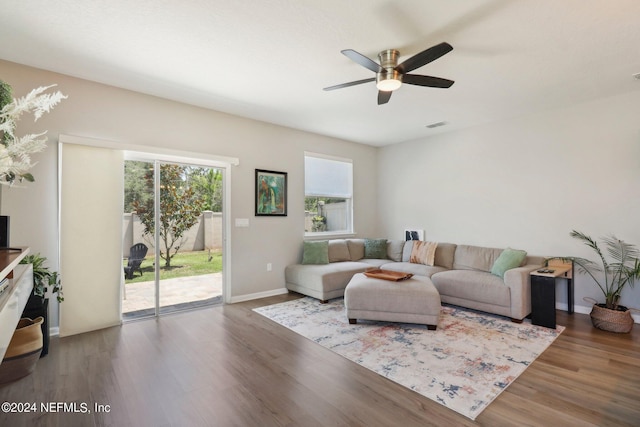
{"x": 414, "y": 300}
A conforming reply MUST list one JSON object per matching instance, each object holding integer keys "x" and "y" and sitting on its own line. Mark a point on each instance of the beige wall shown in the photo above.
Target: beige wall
{"x": 524, "y": 183}
{"x": 104, "y": 112}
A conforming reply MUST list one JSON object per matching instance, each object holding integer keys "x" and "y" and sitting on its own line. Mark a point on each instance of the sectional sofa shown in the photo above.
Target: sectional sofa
{"x": 462, "y": 274}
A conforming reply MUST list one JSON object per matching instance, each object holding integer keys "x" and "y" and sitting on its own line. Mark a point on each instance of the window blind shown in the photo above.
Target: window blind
{"x": 91, "y": 200}
{"x": 327, "y": 177}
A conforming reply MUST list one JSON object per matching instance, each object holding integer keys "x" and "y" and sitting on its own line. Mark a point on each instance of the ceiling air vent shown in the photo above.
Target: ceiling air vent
{"x": 435, "y": 125}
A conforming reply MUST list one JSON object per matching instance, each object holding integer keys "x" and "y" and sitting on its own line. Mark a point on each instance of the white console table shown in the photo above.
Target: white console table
{"x": 14, "y": 298}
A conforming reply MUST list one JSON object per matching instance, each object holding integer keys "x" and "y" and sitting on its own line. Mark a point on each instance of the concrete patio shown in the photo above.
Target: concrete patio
{"x": 181, "y": 290}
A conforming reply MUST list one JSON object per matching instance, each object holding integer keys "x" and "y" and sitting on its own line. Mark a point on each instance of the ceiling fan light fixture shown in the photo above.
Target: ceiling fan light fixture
{"x": 388, "y": 78}
{"x": 388, "y": 82}
{"x": 390, "y": 75}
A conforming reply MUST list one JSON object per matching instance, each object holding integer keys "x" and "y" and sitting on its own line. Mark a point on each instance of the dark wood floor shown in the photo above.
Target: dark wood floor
{"x": 227, "y": 366}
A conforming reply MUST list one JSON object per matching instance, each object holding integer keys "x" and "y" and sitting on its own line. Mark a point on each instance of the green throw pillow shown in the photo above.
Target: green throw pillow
{"x": 316, "y": 252}
{"x": 508, "y": 259}
{"x": 375, "y": 248}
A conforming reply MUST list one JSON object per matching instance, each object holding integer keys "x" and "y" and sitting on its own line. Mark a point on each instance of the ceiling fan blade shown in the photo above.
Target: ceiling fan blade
{"x": 361, "y": 59}
{"x": 414, "y": 79}
{"x": 384, "y": 96}
{"x": 424, "y": 57}
{"x": 357, "y": 82}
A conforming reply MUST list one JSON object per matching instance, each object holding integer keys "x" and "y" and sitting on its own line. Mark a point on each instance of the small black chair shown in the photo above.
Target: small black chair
{"x": 136, "y": 256}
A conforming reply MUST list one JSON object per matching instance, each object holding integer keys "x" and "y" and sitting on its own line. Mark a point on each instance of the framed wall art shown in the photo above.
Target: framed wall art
{"x": 271, "y": 193}
{"x": 413, "y": 234}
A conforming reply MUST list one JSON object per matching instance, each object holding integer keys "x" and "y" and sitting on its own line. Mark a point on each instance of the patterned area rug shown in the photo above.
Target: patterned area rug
{"x": 464, "y": 364}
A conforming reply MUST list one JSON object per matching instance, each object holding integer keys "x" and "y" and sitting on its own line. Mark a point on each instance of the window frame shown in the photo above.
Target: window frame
{"x": 349, "y": 231}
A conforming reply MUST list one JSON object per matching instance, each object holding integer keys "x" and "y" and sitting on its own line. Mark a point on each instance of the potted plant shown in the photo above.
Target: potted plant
{"x": 15, "y": 150}
{"x": 43, "y": 280}
{"x": 319, "y": 223}
{"x": 623, "y": 269}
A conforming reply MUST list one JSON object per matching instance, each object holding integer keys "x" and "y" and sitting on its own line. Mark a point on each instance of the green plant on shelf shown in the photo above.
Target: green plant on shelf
{"x": 43, "y": 277}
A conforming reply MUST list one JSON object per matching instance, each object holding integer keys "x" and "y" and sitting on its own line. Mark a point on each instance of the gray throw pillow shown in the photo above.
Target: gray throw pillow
{"x": 394, "y": 249}
{"x": 406, "y": 250}
{"x": 375, "y": 248}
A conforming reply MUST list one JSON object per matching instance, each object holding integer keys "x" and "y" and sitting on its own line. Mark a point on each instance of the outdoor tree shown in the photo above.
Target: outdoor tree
{"x": 180, "y": 208}
{"x": 135, "y": 184}
{"x": 207, "y": 182}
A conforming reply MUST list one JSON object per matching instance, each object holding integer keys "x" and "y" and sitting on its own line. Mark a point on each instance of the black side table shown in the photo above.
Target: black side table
{"x": 543, "y": 293}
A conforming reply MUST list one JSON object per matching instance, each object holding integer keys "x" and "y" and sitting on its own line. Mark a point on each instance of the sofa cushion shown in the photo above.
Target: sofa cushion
{"x": 508, "y": 259}
{"x": 473, "y": 285}
{"x": 444, "y": 253}
{"x": 475, "y": 258}
{"x": 415, "y": 269}
{"x": 375, "y": 248}
{"x": 323, "y": 278}
{"x": 423, "y": 252}
{"x": 406, "y": 250}
{"x": 338, "y": 250}
{"x": 394, "y": 249}
{"x": 316, "y": 252}
{"x": 374, "y": 262}
{"x": 356, "y": 249}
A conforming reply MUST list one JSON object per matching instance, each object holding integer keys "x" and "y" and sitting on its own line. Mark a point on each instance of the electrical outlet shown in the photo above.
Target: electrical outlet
{"x": 269, "y": 266}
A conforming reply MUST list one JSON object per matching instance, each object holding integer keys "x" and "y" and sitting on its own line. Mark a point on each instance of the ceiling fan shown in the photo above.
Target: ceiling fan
{"x": 390, "y": 75}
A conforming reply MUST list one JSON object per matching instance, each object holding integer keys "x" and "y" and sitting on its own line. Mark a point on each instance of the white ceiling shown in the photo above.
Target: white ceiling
{"x": 270, "y": 59}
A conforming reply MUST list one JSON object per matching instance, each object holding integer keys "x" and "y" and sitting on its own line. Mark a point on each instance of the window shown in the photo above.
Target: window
{"x": 328, "y": 186}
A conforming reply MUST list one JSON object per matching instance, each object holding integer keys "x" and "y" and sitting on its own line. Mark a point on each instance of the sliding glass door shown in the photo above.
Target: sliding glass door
{"x": 173, "y": 237}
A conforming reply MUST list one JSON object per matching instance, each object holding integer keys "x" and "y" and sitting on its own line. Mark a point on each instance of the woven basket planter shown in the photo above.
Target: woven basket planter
{"x": 619, "y": 321}
{"x": 23, "y": 351}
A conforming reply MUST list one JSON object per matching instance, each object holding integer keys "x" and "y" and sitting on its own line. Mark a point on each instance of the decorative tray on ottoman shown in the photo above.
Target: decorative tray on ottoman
{"x": 394, "y": 276}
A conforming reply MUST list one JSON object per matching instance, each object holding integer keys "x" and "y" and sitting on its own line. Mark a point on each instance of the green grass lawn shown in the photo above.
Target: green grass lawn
{"x": 182, "y": 264}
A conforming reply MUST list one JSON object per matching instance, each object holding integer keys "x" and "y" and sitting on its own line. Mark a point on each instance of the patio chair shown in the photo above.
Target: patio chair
{"x": 136, "y": 256}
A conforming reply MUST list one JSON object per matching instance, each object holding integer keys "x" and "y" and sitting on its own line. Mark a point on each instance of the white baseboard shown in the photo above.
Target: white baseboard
{"x": 587, "y": 310}
{"x": 258, "y": 295}
{"x": 55, "y": 330}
